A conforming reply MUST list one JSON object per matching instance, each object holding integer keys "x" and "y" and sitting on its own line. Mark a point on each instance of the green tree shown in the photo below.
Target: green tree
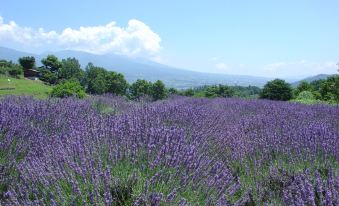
{"x": 225, "y": 91}
{"x": 67, "y": 89}
{"x": 52, "y": 63}
{"x": 71, "y": 69}
{"x": 48, "y": 77}
{"x": 96, "y": 79}
{"x": 158, "y": 90}
{"x": 11, "y": 69}
{"x": 5, "y": 63}
{"x": 212, "y": 91}
{"x": 140, "y": 88}
{"x": 116, "y": 83}
{"x": 329, "y": 89}
{"x": 188, "y": 92}
{"x": 219, "y": 91}
{"x": 246, "y": 92}
{"x": 303, "y": 86}
{"x": 15, "y": 71}
{"x": 27, "y": 62}
{"x": 277, "y": 89}
{"x": 316, "y": 84}
{"x": 173, "y": 91}
{"x": 305, "y": 95}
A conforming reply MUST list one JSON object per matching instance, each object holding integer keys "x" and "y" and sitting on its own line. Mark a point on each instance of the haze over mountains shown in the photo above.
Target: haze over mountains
{"x": 134, "y": 69}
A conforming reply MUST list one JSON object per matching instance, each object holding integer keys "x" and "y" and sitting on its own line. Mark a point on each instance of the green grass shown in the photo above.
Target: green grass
{"x": 23, "y": 86}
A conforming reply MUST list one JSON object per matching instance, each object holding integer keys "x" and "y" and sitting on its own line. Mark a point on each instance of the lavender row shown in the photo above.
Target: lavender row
{"x": 183, "y": 151}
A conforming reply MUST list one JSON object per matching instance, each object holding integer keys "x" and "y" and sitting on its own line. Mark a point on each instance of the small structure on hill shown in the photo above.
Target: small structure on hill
{"x": 31, "y": 74}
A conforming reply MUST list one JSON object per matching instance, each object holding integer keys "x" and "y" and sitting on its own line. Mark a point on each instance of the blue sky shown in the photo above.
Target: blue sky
{"x": 290, "y": 38}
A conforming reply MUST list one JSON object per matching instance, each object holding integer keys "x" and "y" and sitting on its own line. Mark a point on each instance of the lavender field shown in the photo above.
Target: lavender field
{"x": 181, "y": 151}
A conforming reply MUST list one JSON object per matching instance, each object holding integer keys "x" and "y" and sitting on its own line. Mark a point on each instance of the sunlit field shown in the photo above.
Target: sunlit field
{"x": 182, "y": 151}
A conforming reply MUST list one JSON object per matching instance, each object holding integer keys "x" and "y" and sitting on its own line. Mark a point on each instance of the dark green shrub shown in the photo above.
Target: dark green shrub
{"x": 3, "y": 70}
{"x": 67, "y": 89}
{"x": 15, "y": 71}
{"x": 188, "y": 92}
{"x": 303, "y": 86}
{"x": 277, "y": 89}
{"x": 173, "y": 91}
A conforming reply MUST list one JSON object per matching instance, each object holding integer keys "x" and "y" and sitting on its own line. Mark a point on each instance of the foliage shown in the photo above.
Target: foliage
{"x": 4, "y": 63}
{"x": 95, "y": 79}
{"x": 246, "y": 92}
{"x": 68, "y": 89}
{"x": 219, "y": 91}
{"x": 15, "y": 71}
{"x": 277, "y": 89}
{"x": 212, "y": 91}
{"x": 27, "y": 62}
{"x": 140, "y": 88}
{"x": 329, "y": 89}
{"x": 116, "y": 83}
{"x": 188, "y": 92}
{"x": 325, "y": 90}
{"x": 52, "y": 63}
{"x": 99, "y": 81}
{"x": 184, "y": 151}
{"x": 223, "y": 91}
{"x": 48, "y": 76}
{"x": 158, "y": 90}
{"x": 307, "y": 97}
{"x": 8, "y": 68}
{"x": 173, "y": 91}
{"x": 317, "y": 84}
{"x": 303, "y": 86}
{"x": 71, "y": 69}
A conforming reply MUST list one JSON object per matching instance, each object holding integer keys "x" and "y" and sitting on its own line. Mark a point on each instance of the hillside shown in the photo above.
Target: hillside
{"x": 13, "y": 86}
{"x": 134, "y": 69}
{"x": 311, "y": 79}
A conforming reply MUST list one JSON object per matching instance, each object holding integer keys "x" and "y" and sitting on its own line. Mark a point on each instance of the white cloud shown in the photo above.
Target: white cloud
{"x": 221, "y": 66}
{"x": 137, "y": 39}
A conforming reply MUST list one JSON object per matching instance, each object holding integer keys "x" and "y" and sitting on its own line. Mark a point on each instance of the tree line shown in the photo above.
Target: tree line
{"x": 318, "y": 91}
{"x": 69, "y": 79}
{"x": 222, "y": 91}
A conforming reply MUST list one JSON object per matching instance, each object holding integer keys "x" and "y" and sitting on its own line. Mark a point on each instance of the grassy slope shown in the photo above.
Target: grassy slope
{"x": 23, "y": 87}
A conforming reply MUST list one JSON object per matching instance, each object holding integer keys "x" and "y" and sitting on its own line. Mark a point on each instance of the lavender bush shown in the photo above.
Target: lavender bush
{"x": 183, "y": 151}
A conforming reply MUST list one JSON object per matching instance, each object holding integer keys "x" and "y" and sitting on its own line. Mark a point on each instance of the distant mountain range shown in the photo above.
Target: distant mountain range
{"x": 134, "y": 69}
{"x": 311, "y": 79}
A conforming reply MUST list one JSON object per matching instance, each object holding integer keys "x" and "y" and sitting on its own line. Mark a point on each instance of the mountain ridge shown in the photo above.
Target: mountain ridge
{"x": 311, "y": 78}
{"x": 151, "y": 71}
